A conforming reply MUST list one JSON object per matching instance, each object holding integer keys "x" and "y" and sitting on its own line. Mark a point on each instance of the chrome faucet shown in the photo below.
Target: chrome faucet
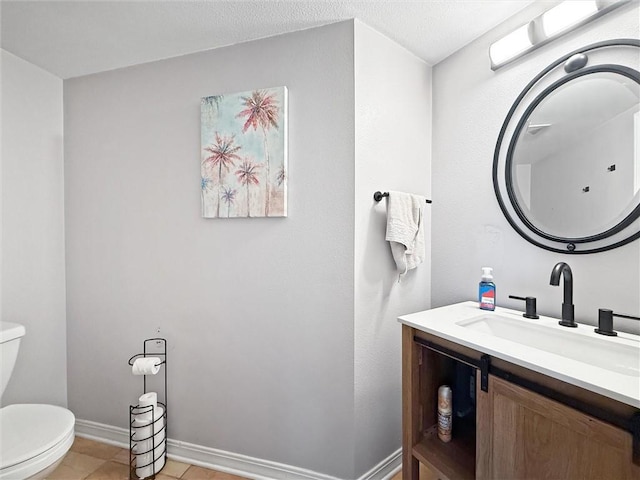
{"x": 562, "y": 268}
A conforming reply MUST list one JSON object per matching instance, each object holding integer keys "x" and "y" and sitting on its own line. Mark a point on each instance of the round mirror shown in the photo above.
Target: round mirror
{"x": 567, "y": 163}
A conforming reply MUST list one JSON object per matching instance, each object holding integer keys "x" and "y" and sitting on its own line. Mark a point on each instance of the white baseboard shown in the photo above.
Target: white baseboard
{"x": 234, "y": 463}
{"x": 116, "y": 436}
{"x": 386, "y": 468}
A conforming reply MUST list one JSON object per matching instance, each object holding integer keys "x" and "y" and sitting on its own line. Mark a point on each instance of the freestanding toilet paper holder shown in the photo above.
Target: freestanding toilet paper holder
{"x": 148, "y": 423}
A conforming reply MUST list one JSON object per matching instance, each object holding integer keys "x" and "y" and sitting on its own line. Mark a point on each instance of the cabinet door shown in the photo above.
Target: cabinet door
{"x": 523, "y": 435}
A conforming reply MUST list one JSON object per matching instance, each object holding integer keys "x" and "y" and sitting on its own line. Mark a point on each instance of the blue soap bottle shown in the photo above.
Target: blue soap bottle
{"x": 487, "y": 290}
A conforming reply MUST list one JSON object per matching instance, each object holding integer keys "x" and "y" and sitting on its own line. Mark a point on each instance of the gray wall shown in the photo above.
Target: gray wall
{"x": 258, "y": 313}
{"x": 610, "y": 192}
{"x": 33, "y": 272}
{"x": 469, "y": 230}
{"x": 393, "y": 147}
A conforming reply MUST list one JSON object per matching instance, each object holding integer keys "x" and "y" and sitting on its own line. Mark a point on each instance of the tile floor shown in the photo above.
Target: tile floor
{"x": 90, "y": 460}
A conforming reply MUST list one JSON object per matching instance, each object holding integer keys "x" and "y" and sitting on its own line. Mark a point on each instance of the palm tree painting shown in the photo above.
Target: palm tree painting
{"x": 261, "y": 109}
{"x": 248, "y": 175}
{"x": 221, "y": 154}
{"x": 229, "y": 197}
{"x": 245, "y": 133}
{"x": 206, "y": 185}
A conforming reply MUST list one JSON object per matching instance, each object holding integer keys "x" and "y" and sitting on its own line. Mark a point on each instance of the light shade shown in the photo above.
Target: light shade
{"x": 510, "y": 46}
{"x": 552, "y": 24}
{"x": 565, "y": 15}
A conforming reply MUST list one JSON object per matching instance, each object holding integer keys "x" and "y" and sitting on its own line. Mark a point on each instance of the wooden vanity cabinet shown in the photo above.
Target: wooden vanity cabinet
{"x": 515, "y": 433}
{"x": 521, "y": 434}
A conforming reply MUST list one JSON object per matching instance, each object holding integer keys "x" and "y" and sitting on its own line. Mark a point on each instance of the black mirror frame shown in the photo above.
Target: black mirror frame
{"x": 562, "y": 244}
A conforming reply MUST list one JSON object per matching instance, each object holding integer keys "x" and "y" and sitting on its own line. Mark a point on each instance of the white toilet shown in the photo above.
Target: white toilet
{"x": 33, "y": 438}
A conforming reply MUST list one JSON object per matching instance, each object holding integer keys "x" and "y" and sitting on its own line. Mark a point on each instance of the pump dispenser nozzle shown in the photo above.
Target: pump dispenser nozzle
{"x": 487, "y": 273}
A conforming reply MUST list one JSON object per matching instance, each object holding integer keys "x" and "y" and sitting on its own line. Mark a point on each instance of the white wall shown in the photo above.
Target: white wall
{"x": 258, "y": 313}
{"x": 393, "y": 146}
{"x": 33, "y": 272}
{"x": 610, "y": 193}
{"x": 469, "y": 230}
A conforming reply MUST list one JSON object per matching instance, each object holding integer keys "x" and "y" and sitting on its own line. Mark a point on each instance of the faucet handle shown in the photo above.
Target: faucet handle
{"x": 605, "y": 321}
{"x": 530, "y": 306}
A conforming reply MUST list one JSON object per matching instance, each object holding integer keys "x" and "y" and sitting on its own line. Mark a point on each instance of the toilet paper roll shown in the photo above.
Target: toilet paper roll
{"x": 149, "y": 448}
{"x": 146, "y": 366}
{"x": 149, "y": 399}
{"x": 144, "y": 472}
{"x": 143, "y": 428}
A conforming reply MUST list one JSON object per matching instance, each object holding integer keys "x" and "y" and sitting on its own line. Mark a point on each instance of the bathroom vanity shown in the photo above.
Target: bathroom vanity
{"x": 540, "y": 400}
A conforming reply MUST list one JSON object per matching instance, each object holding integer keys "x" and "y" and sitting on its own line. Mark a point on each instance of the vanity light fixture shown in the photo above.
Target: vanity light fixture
{"x": 552, "y": 24}
{"x": 566, "y": 15}
{"x": 508, "y": 47}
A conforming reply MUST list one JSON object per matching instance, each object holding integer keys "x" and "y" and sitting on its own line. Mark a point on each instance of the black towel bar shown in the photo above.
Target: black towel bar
{"x": 379, "y": 196}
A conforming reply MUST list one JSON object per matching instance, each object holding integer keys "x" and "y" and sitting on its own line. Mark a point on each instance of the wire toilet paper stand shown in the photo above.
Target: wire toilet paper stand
{"x": 148, "y": 423}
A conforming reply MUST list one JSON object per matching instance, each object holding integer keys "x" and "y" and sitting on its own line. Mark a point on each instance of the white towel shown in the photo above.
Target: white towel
{"x": 405, "y": 230}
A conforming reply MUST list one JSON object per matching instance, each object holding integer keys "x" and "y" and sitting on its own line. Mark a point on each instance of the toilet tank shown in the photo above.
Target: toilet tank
{"x": 10, "y": 335}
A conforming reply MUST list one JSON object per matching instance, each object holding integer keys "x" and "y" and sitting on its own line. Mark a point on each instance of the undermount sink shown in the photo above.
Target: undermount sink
{"x": 608, "y": 366}
{"x": 615, "y": 357}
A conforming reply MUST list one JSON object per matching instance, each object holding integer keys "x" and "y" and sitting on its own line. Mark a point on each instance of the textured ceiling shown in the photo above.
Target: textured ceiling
{"x": 74, "y": 38}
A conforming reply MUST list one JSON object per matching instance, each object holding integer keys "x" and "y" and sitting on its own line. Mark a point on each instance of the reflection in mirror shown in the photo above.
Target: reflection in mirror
{"x": 575, "y": 168}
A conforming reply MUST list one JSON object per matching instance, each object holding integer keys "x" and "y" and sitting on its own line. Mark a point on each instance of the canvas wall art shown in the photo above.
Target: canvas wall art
{"x": 244, "y": 154}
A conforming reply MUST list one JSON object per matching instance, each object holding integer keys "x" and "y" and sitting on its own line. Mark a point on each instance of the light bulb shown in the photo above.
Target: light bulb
{"x": 510, "y": 46}
{"x": 565, "y": 15}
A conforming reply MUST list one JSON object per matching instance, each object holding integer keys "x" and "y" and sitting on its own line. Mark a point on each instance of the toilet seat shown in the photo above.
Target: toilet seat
{"x": 32, "y": 437}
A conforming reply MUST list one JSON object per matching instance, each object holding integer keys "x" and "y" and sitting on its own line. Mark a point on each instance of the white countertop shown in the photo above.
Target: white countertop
{"x": 549, "y": 360}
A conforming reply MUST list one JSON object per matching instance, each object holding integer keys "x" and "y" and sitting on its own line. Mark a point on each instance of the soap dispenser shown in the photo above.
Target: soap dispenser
{"x": 487, "y": 290}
